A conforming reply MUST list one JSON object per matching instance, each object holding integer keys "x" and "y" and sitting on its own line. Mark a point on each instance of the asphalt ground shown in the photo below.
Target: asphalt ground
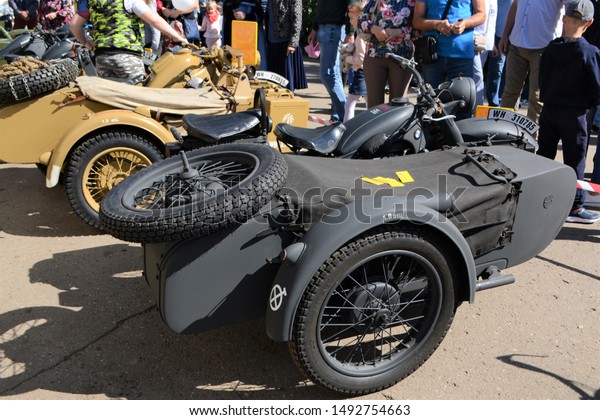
{"x": 77, "y": 320}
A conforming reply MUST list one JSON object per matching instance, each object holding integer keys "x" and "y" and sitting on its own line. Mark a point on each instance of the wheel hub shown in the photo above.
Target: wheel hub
{"x": 110, "y": 176}
{"x": 372, "y": 306}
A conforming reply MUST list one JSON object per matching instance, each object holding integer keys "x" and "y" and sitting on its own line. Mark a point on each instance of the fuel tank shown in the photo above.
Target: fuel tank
{"x": 384, "y": 118}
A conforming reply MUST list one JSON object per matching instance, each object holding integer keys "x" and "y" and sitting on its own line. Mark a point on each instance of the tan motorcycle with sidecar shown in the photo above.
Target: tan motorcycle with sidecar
{"x": 93, "y": 133}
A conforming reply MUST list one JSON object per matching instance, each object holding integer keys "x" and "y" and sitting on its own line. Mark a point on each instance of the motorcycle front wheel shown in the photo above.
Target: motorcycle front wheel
{"x": 375, "y": 311}
{"x": 193, "y": 194}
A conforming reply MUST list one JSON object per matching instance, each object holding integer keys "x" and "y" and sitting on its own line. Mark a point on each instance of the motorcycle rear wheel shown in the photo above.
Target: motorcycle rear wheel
{"x": 375, "y": 311}
{"x": 194, "y": 194}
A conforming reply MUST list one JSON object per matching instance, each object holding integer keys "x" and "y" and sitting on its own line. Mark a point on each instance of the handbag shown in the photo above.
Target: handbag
{"x": 366, "y": 36}
{"x": 426, "y": 49}
{"x": 426, "y": 46}
{"x": 479, "y": 43}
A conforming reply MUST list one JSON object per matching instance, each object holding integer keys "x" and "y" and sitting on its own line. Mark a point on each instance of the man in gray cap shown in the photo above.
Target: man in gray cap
{"x": 530, "y": 26}
{"x": 569, "y": 86}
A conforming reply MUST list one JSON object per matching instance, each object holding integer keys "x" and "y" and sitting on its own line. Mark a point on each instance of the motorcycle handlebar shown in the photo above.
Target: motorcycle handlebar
{"x": 411, "y": 65}
{"x": 407, "y": 64}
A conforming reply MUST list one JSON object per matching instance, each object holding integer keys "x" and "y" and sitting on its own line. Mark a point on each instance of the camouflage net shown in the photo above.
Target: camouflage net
{"x": 23, "y": 65}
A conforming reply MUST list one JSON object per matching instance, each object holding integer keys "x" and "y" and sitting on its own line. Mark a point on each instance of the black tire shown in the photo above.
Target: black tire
{"x": 19, "y": 88}
{"x": 223, "y": 185}
{"x": 99, "y": 164}
{"x": 260, "y": 103}
{"x": 374, "y": 312}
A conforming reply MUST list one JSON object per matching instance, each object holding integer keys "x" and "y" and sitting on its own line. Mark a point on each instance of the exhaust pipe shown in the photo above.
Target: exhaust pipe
{"x": 492, "y": 278}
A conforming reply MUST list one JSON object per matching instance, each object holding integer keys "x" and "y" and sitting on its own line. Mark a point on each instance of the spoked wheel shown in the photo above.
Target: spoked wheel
{"x": 260, "y": 103}
{"x": 108, "y": 169}
{"x": 374, "y": 312}
{"x": 101, "y": 163}
{"x": 194, "y": 194}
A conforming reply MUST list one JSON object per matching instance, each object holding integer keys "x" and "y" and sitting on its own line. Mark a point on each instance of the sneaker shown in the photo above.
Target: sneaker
{"x": 583, "y": 216}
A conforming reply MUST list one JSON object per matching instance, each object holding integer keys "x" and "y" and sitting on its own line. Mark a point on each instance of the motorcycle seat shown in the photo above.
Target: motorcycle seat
{"x": 214, "y": 128}
{"x": 323, "y": 140}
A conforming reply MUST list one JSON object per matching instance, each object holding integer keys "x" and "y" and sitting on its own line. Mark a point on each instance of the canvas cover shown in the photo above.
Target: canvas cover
{"x": 483, "y": 208}
{"x": 201, "y": 101}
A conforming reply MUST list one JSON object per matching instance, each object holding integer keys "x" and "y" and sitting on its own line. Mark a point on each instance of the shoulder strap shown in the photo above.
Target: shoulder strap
{"x": 374, "y": 15}
{"x": 446, "y": 10}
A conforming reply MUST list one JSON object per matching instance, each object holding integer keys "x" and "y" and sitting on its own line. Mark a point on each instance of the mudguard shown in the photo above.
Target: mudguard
{"x": 101, "y": 121}
{"x": 325, "y": 237}
{"x": 500, "y": 131}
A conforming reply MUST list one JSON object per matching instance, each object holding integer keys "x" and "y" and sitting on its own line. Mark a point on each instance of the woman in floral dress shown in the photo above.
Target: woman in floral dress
{"x": 56, "y": 13}
{"x": 390, "y": 24}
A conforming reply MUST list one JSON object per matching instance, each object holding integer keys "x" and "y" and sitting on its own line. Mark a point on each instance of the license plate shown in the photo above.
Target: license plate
{"x": 521, "y": 120}
{"x": 272, "y": 77}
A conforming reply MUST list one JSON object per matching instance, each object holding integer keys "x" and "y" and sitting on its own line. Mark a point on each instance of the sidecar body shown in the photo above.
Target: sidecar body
{"x": 494, "y": 211}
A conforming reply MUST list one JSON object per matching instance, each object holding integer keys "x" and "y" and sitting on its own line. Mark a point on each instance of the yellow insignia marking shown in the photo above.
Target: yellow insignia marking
{"x": 403, "y": 176}
{"x": 390, "y": 181}
{"x": 372, "y": 181}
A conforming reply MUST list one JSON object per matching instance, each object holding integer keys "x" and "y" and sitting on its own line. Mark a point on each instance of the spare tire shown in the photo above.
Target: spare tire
{"x": 194, "y": 194}
{"x": 55, "y": 75}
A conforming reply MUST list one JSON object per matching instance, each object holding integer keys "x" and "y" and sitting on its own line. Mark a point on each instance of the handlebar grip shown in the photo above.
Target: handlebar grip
{"x": 401, "y": 61}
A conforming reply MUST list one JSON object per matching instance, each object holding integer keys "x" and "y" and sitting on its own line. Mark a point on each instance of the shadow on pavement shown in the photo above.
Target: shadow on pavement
{"x": 107, "y": 338}
{"x": 578, "y": 388}
{"x": 28, "y": 208}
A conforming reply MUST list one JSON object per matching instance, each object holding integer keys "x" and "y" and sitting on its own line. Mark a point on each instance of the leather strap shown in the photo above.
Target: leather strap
{"x": 446, "y": 10}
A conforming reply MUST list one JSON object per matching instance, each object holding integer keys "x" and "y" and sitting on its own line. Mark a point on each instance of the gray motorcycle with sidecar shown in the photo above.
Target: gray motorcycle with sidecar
{"x": 359, "y": 265}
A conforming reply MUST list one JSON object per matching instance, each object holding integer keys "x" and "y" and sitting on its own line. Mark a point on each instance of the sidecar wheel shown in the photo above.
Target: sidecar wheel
{"x": 375, "y": 311}
{"x": 194, "y": 194}
{"x": 25, "y": 86}
{"x": 101, "y": 163}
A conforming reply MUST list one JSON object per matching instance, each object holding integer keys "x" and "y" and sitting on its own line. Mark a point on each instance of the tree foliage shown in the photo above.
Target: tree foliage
{"x": 308, "y": 16}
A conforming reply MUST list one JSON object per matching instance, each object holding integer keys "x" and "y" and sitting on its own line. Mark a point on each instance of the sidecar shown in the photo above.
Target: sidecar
{"x": 95, "y": 133}
{"x": 360, "y": 268}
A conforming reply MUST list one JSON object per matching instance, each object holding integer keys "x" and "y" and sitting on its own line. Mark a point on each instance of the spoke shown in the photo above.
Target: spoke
{"x": 364, "y": 287}
{"x": 96, "y": 193}
{"x": 413, "y": 300}
{"x": 357, "y": 345}
{"x": 402, "y": 321}
{"x": 352, "y": 305}
{"x": 400, "y": 306}
{"x": 389, "y": 271}
{"x": 375, "y": 335}
{"x": 389, "y": 275}
{"x": 118, "y": 162}
{"x": 350, "y": 326}
{"x": 393, "y": 339}
{"x": 359, "y": 308}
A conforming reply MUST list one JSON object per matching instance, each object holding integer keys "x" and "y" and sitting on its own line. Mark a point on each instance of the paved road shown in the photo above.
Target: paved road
{"x": 77, "y": 321}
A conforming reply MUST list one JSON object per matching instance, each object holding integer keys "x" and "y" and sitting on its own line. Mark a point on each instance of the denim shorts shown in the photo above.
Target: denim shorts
{"x": 357, "y": 85}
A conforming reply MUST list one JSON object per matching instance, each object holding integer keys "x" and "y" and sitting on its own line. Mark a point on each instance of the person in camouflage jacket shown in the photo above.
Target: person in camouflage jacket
{"x": 118, "y": 39}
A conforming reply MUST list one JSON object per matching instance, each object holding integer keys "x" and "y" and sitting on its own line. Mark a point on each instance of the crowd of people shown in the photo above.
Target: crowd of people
{"x": 515, "y": 50}
{"x": 535, "y": 51}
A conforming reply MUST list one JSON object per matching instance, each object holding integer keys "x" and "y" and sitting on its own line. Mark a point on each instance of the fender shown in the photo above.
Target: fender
{"x": 97, "y": 122}
{"x": 329, "y": 234}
